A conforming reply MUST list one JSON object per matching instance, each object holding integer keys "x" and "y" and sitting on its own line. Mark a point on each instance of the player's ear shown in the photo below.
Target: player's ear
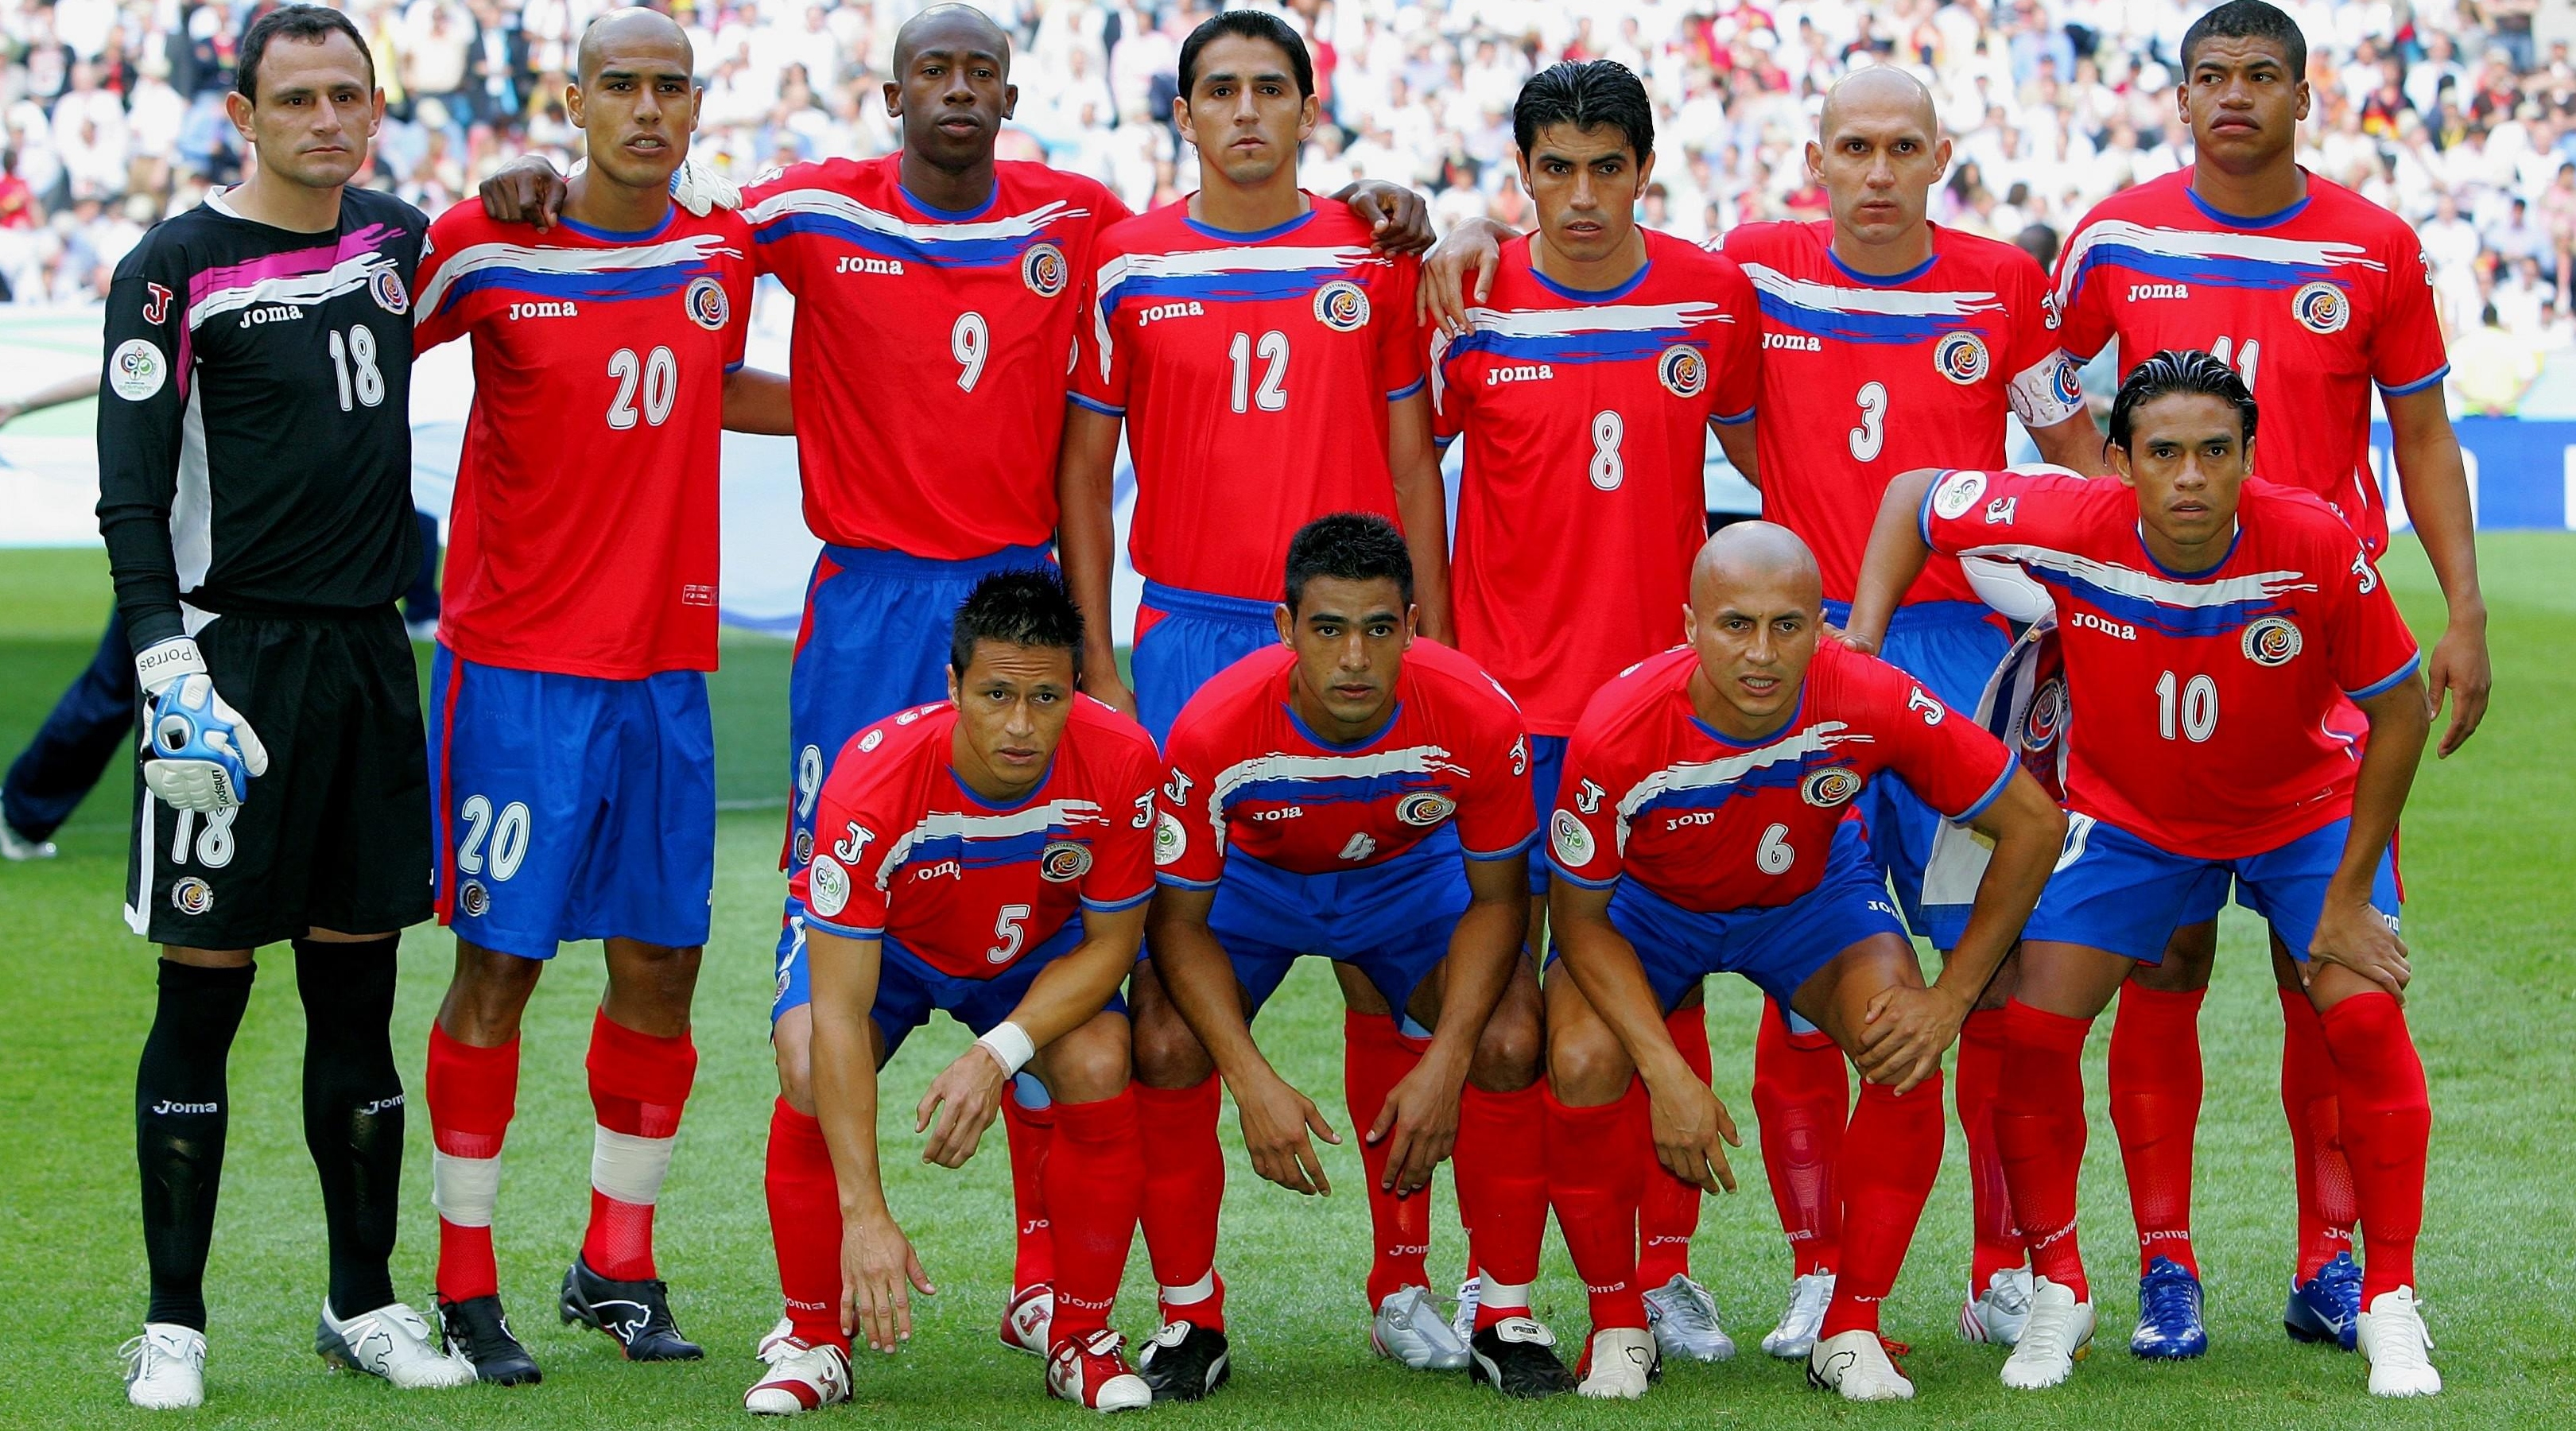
{"x": 1286, "y": 621}
{"x": 1690, "y": 626}
{"x": 955, "y": 695}
{"x": 1815, "y": 161}
{"x": 2304, "y": 96}
{"x": 237, "y": 108}
{"x": 376, "y": 112}
{"x": 1010, "y": 99}
{"x": 894, "y": 100}
{"x": 572, "y": 105}
{"x": 1940, "y": 158}
{"x": 1181, "y": 120}
{"x": 1309, "y": 110}
{"x": 697, "y": 101}
{"x": 1645, "y": 175}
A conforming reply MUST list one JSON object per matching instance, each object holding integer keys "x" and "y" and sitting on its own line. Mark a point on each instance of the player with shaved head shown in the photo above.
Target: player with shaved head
{"x": 572, "y": 765}
{"x": 1700, "y": 829}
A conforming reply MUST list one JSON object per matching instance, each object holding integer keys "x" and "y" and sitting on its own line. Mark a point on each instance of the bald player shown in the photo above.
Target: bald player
{"x": 1699, "y": 829}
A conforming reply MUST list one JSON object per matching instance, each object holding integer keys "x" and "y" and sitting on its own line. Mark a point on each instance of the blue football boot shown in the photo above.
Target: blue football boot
{"x": 2169, "y": 1326}
{"x": 2326, "y": 1307}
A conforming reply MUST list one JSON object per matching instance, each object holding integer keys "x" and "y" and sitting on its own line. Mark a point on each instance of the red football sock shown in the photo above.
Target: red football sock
{"x": 1095, "y": 1172}
{"x": 1184, "y": 1184}
{"x": 1801, "y": 1100}
{"x": 1596, "y": 1175}
{"x": 1375, "y": 1058}
{"x": 1670, "y": 1214}
{"x": 1883, "y": 1196}
{"x": 2155, "y": 1108}
{"x": 1502, "y": 1170}
{"x": 2326, "y": 1208}
{"x": 1981, "y": 1067}
{"x": 2039, "y": 1124}
{"x": 471, "y": 1093}
{"x": 2387, "y": 1121}
{"x": 637, "y": 1086}
{"x": 1030, "y": 1131}
{"x": 805, "y": 1225}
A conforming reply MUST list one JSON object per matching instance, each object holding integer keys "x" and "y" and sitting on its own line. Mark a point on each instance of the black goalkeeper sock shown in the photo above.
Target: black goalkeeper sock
{"x": 180, "y": 1109}
{"x": 353, "y": 1110}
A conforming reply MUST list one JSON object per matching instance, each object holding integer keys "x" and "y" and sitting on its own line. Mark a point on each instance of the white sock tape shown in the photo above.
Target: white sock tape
{"x": 1010, "y": 1044}
{"x": 629, "y": 1168}
{"x": 464, "y": 1189}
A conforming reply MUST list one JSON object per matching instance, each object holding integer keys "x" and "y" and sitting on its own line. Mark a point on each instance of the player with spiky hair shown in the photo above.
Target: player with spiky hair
{"x": 255, "y": 494}
{"x": 2211, "y": 624}
{"x": 2317, "y": 296}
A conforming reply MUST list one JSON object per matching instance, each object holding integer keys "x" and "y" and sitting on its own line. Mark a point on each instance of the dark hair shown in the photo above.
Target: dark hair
{"x": 2180, "y": 370}
{"x": 2248, "y": 20}
{"x": 309, "y": 24}
{"x": 1251, "y": 25}
{"x": 1348, "y": 546}
{"x": 2040, "y": 242}
{"x": 1585, "y": 94}
{"x": 1025, "y": 606}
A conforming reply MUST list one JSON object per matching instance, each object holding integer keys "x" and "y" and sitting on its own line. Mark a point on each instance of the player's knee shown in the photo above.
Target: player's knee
{"x": 486, "y": 995}
{"x": 1586, "y": 1065}
{"x": 1091, "y": 1063}
{"x": 1510, "y": 1050}
{"x": 1167, "y": 1054}
{"x": 796, "y": 1074}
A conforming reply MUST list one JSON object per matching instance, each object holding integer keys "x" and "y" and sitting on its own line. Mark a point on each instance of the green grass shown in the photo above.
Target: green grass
{"x": 2487, "y": 855}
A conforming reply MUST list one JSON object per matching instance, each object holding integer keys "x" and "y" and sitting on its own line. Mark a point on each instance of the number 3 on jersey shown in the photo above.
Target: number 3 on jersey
{"x": 1871, "y": 435}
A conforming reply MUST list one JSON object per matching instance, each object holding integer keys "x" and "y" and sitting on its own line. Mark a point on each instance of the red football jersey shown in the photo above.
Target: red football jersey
{"x": 904, "y": 851}
{"x": 1248, "y": 777}
{"x": 931, "y": 348}
{"x": 1865, "y": 377}
{"x": 2201, "y": 714}
{"x": 582, "y": 540}
{"x": 1254, "y": 371}
{"x": 1586, "y": 417}
{"x": 1713, "y": 825}
{"x": 2312, "y": 305}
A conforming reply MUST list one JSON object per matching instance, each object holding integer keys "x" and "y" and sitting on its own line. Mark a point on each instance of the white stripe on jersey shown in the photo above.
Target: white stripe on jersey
{"x": 1408, "y": 760}
{"x": 1205, "y": 263}
{"x": 1833, "y": 298}
{"x": 474, "y": 258}
{"x": 1607, "y": 318}
{"x": 1727, "y": 769}
{"x": 2204, "y": 243}
{"x": 842, "y": 206}
{"x": 2145, "y": 586}
{"x": 347, "y": 276}
{"x": 944, "y": 824}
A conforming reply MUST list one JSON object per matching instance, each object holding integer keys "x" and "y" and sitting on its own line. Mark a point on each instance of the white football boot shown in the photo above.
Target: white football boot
{"x": 1856, "y": 1364}
{"x": 2393, "y": 1340}
{"x": 1411, "y": 1330}
{"x": 1026, "y": 1321}
{"x": 1998, "y": 1313}
{"x": 2058, "y": 1334}
{"x": 1471, "y": 1293}
{"x": 392, "y": 1342}
{"x": 1796, "y": 1334}
{"x": 165, "y": 1368}
{"x": 800, "y": 1378}
{"x": 1684, "y": 1318}
{"x": 769, "y": 1347}
{"x": 1093, "y": 1371}
{"x": 1621, "y": 1364}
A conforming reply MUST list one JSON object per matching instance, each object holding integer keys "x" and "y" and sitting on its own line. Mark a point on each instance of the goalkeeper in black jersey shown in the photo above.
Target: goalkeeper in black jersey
{"x": 255, "y": 492}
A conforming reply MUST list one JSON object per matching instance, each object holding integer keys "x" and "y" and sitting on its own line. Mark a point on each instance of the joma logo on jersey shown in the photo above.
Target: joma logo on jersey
{"x": 543, "y": 310}
{"x": 949, "y": 868}
{"x": 1519, "y": 373}
{"x": 2086, "y": 620}
{"x": 2140, "y": 292}
{"x": 1284, "y": 812}
{"x": 1794, "y": 342}
{"x": 270, "y": 313}
{"x": 1161, "y": 311}
{"x": 853, "y": 263}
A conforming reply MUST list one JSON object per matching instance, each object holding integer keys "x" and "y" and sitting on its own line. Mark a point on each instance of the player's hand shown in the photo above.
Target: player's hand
{"x": 1100, "y": 682}
{"x": 1849, "y": 641}
{"x": 877, "y": 1263}
{"x": 965, "y": 1096}
{"x": 200, "y": 754}
{"x": 2460, "y": 669}
{"x": 1904, "y": 1034}
{"x": 1276, "y": 1119}
{"x": 698, "y": 188}
{"x": 527, "y": 190}
{"x": 2352, "y": 933}
{"x": 1398, "y": 219}
{"x": 1692, "y": 1133}
{"x": 1421, "y": 1119}
{"x": 1473, "y": 248}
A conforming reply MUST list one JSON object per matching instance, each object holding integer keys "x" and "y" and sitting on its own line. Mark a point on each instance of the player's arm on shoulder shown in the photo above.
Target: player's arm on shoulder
{"x": 1899, "y": 545}
{"x": 527, "y": 190}
{"x": 1087, "y": 541}
{"x": 1422, "y": 506}
{"x": 1458, "y": 273}
{"x": 2434, "y": 479}
{"x": 1399, "y": 220}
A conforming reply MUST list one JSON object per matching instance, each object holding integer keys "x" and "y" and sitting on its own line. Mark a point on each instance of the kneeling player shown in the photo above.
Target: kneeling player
{"x": 1361, "y": 796}
{"x": 1701, "y": 829}
{"x": 990, "y": 857}
{"x": 2211, "y": 625}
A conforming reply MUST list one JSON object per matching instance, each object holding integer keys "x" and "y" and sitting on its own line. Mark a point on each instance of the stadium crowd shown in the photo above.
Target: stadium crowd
{"x": 2444, "y": 110}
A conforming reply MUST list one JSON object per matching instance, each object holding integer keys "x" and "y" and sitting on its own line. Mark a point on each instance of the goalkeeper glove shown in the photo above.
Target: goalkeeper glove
{"x": 199, "y": 752}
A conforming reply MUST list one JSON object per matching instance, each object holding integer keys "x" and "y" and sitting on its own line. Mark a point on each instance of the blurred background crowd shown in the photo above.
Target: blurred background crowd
{"x": 2460, "y": 114}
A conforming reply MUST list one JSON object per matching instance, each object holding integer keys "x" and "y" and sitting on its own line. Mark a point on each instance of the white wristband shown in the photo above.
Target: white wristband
{"x": 162, "y": 662}
{"x": 1010, "y": 1046}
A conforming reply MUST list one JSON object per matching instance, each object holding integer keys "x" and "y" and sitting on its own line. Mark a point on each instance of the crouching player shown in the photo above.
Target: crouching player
{"x": 1701, "y": 829}
{"x": 2210, "y": 626}
{"x": 1358, "y": 795}
{"x": 990, "y": 857}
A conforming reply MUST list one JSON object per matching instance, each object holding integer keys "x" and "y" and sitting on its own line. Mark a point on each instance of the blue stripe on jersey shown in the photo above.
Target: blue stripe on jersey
{"x": 941, "y": 253}
{"x": 977, "y": 854}
{"x": 605, "y": 285}
{"x": 2213, "y": 270}
{"x": 1600, "y": 346}
{"x": 1777, "y": 775}
{"x": 1240, "y": 286}
{"x": 1329, "y": 789}
{"x": 1851, "y": 327}
{"x": 2146, "y": 613}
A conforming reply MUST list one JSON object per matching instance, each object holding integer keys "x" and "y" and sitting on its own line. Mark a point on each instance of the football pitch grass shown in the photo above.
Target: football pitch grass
{"x": 2488, "y": 860}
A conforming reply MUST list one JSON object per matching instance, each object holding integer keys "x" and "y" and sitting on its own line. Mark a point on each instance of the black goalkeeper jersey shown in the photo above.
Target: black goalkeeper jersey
{"x": 254, "y": 418}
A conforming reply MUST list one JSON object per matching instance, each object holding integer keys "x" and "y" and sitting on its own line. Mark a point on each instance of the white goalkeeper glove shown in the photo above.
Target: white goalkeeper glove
{"x": 695, "y": 186}
{"x": 200, "y": 754}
